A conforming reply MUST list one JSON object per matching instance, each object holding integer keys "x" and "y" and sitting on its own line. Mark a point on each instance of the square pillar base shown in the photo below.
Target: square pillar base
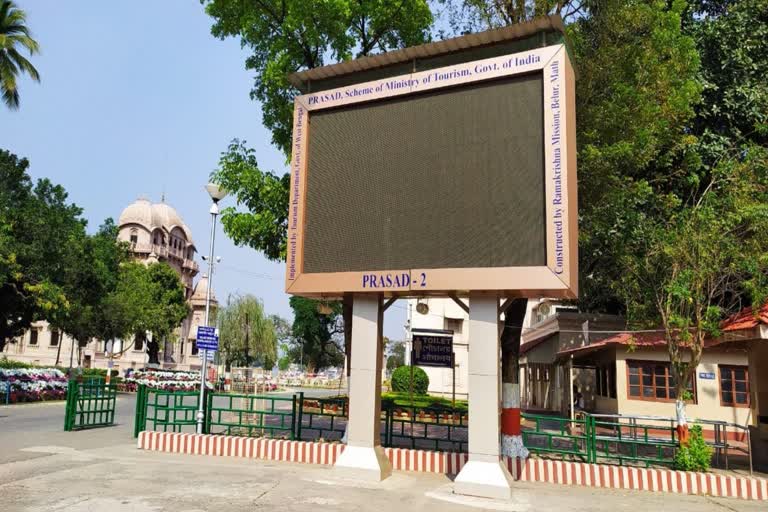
{"x": 363, "y": 463}
{"x": 484, "y": 479}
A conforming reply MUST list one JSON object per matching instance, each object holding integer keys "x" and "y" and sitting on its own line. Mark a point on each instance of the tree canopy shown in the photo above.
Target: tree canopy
{"x": 14, "y": 35}
{"x": 317, "y": 339}
{"x": 285, "y": 36}
{"x": 147, "y": 299}
{"x": 672, "y": 128}
{"x": 38, "y": 227}
{"x": 248, "y": 335}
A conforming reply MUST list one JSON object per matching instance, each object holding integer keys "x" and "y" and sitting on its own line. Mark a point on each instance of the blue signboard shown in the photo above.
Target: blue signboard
{"x": 207, "y": 338}
{"x": 706, "y": 375}
{"x": 432, "y": 347}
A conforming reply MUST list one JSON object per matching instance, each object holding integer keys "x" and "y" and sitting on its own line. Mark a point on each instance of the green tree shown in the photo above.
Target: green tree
{"x": 636, "y": 94}
{"x": 696, "y": 253}
{"x": 170, "y": 307}
{"x": 37, "y": 225}
{"x": 285, "y": 36}
{"x": 147, "y": 299}
{"x": 14, "y": 35}
{"x": 89, "y": 276}
{"x": 468, "y": 16}
{"x": 317, "y": 340}
{"x": 702, "y": 260}
{"x": 396, "y": 355}
{"x": 285, "y": 360}
{"x": 247, "y": 334}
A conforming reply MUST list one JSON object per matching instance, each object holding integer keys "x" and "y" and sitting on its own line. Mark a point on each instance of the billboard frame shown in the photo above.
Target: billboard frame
{"x": 557, "y": 279}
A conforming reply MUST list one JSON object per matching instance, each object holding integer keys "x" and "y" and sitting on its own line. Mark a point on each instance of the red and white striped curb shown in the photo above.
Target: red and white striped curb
{"x": 641, "y": 479}
{"x": 404, "y": 459}
{"x": 231, "y": 446}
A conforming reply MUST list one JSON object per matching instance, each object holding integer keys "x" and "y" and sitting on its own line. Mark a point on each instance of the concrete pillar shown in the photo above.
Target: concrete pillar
{"x": 363, "y": 458}
{"x": 484, "y": 474}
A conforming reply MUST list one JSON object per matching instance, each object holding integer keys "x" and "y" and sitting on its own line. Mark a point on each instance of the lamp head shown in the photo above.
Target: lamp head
{"x": 216, "y": 192}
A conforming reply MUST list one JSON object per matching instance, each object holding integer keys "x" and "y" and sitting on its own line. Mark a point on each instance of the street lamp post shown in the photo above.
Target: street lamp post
{"x": 217, "y": 194}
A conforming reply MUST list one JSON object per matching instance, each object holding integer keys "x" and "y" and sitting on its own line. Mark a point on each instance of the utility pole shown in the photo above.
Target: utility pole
{"x": 217, "y": 194}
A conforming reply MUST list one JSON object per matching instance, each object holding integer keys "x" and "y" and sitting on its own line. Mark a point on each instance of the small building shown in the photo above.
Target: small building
{"x": 748, "y": 330}
{"x": 582, "y": 358}
{"x": 446, "y": 314}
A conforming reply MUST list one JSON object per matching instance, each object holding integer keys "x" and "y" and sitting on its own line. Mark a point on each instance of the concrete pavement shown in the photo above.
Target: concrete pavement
{"x": 43, "y": 468}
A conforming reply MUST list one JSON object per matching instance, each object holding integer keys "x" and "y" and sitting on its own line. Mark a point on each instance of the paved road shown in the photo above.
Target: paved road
{"x": 43, "y": 468}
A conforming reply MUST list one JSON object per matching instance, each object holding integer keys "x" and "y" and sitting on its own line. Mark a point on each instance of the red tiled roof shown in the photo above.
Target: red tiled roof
{"x": 637, "y": 339}
{"x": 746, "y": 319}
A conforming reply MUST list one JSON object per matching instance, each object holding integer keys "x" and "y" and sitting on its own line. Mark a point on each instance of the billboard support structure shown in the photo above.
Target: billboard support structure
{"x": 484, "y": 474}
{"x": 364, "y": 457}
{"x": 407, "y": 185}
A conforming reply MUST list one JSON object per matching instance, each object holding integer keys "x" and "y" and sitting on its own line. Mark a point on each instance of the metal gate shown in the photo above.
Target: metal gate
{"x": 90, "y": 404}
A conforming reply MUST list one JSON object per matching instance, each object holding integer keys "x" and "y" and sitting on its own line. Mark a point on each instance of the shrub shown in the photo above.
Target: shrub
{"x": 10, "y": 364}
{"x": 401, "y": 380}
{"x": 697, "y": 456}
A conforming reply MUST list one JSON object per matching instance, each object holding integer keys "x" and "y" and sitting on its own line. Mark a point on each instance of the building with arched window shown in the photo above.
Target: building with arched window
{"x": 155, "y": 233}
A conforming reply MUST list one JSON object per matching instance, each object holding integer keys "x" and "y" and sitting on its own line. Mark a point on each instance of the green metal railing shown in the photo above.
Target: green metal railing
{"x": 89, "y": 405}
{"x": 322, "y": 415}
{"x": 562, "y": 436}
{"x": 249, "y": 415}
{"x": 589, "y": 438}
{"x": 436, "y": 428}
{"x": 172, "y": 411}
{"x": 639, "y": 440}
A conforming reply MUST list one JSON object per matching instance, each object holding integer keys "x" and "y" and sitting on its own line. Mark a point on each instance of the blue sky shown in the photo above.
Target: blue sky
{"x": 137, "y": 98}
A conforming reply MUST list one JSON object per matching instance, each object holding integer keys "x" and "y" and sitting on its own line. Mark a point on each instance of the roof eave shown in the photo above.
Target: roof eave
{"x": 465, "y": 42}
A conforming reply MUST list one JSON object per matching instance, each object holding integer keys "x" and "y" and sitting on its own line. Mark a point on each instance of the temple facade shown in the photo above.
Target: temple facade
{"x": 155, "y": 233}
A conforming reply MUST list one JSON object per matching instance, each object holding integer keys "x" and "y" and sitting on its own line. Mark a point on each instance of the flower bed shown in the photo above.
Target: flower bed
{"x": 164, "y": 380}
{"x": 32, "y": 385}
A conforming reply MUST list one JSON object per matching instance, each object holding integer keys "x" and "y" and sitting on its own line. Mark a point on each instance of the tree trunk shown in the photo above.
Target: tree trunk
{"x": 168, "y": 351}
{"x": 511, "y": 438}
{"x": 683, "y": 373}
{"x": 58, "y": 354}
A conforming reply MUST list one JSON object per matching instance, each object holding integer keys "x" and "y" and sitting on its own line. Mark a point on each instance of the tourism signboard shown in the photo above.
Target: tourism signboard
{"x": 441, "y": 181}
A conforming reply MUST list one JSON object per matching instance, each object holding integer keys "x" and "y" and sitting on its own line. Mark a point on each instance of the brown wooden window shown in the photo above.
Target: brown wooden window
{"x": 194, "y": 348}
{"x": 54, "y": 338}
{"x": 734, "y": 386}
{"x": 33, "y": 334}
{"x": 653, "y": 381}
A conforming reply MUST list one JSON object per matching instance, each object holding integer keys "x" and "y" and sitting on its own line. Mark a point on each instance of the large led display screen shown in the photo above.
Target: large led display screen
{"x": 447, "y": 179}
{"x": 450, "y": 180}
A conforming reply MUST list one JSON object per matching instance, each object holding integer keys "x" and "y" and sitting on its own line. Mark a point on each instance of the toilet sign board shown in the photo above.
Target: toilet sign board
{"x": 432, "y": 347}
{"x": 442, "y": 181}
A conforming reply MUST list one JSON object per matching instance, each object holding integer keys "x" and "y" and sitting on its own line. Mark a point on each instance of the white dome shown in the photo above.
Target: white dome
{"x": 152, "y": 216}
{"x": 139, "y": 212}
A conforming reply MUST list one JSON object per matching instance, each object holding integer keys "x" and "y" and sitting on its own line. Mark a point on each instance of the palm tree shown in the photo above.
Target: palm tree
{"x": 13, "y": 34}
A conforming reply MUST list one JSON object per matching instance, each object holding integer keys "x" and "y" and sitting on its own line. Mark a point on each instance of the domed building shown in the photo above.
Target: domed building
{"x": 155, "y": 232}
